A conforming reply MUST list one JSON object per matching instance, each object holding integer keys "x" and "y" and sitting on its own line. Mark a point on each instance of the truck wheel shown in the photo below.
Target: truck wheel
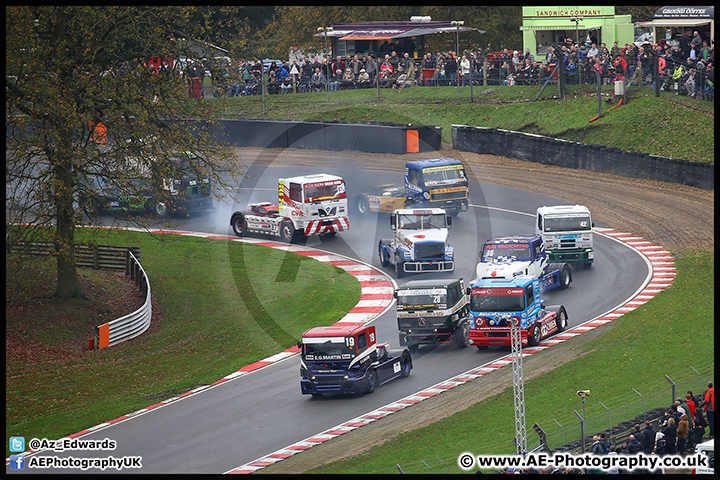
{"x": 238, "y": 225}
{"x": 405, "y": 365}
{"x": 287, "y": 231}
{"x": 565, "y": 276}
{"x": 399, "y": 267}
{"x": 160, "y": 209}
{"x": 561, "y": 319}
{"x": 383, "y": 261}
{"x": 535, "y": 337}
{"x": 362, "y": 204}
{"x": 462, "y": 335}
{"x": 370, "y": 381}
{"x": 587, "y": 265}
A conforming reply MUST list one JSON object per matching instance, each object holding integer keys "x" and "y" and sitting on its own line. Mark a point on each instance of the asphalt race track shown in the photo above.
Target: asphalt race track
{"x": 241, "y": 420}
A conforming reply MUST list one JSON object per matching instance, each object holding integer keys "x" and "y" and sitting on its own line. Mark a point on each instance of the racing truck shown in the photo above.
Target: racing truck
{"x": 419, "y": 243}
{"x": 182, "y": 190}
{"x": 433, "y": 311}
{"x": 494, "y": 303}
{"x": 567, "y": 233}
{"x": 436, "y": 183}
{"x": 347, "y": 359}
{"x": 307, "y": 205}
{"x": 515, "y": 255}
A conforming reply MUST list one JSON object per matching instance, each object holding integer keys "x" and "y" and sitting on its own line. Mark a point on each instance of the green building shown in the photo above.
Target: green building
{"x": 542, "y": 26}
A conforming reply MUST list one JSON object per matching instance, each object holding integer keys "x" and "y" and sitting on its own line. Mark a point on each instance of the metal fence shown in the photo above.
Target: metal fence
{"x": 133, "y": 324}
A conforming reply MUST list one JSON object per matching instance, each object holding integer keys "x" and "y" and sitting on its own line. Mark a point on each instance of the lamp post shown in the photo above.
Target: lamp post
{"x": 325, "y": 30}
{"x": 577, "y": 20}
{"x": 457, "y": 24}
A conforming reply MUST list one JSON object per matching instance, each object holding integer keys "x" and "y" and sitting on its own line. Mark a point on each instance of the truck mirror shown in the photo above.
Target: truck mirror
{"x": 299, "y": 344}
{"x": 449, "y": 220}
{"x": 392, "y": 222}
{"x": 394, "y": 293}
{"x": 468, "y": 290}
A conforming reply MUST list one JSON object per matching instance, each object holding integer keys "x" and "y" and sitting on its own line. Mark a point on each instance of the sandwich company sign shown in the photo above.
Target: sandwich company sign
{"x": 686, "y": 12}
{"x": 540, "y": 12}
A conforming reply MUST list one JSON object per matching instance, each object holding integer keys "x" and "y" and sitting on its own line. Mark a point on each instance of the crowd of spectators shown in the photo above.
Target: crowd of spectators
{"x": 686, "y": 68}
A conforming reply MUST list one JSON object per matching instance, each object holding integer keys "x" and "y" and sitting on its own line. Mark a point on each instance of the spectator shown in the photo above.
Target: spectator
{"x": 401, "y": 81}
{"x": 709, "y": 407}
{"x": 696, "y": 42}
{"x": 648, "y": 438}
{"x": 407, "y": 63}
{"x": 529, "y": 56}
{"x": 394, "y": 60}
{"x": 634, "y": 446}
{"x": 307, "y": 70}
{"x": 356, "y": 65}
{"x": 670, "y": 433}
{"x": 451, "y": 68}
{"x": 363, "y": 79}
{"x": 613, "y": 470}
{"x": 690, "y": 91}
{"x": 615, "y": 51}
{"x": 597, "y": 447}
{"x": 465, "y": 70}
{"x": 318, "y": 80}
{"x": 338, "y": 64}
{"x": 685, "y": 45}
{"x": 335, "y": 81}
{"x": 517, "y": 62}
{"x": 683, "y": 430}
{"x": 392, "y": 78}
{"x": 348, "y": 79}
{"x": 699, "y": 425}
{"x": 593, "y": 52}
{"x": 660, "y": 444}
{"x": 371, "y": 67}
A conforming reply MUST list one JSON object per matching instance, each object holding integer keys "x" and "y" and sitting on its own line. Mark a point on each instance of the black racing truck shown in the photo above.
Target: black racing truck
{"x": 433, "y": 311}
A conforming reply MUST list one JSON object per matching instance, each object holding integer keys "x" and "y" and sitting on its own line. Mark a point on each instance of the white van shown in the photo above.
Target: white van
{"x": 709, "y": 449}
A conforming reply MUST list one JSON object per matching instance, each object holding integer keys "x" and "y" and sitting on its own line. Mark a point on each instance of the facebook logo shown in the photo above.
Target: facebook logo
{"x": 17, "y": 462}
{"x": 17, "y": 444}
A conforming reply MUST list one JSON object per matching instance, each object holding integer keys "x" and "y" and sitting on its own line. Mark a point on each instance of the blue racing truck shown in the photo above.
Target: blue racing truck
{"x": 436, "y": 183}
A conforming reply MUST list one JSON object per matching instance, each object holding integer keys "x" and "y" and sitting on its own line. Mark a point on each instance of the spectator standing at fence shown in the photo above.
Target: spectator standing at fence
{"x": 394, "y": 60}
{"x": 699, "y": 425}
{"x": 517, "y": 62}
{"x": 670, "y": 433}
{"x": 634, "y": 446}
{"x": 648, "y": 437}
{"x": 597, "y": 448}
{"x": 709, "y": 408}
{"x": 335, "y": 81}
{"x": 451, "y": 68}
{"x": 593, "y": 52}
{"x": 307, "y": 70}
{"x": 690, "y": 83}
{"x": 407, "y": 63}
{"x": 683, "y": 430}
{"x": 371, "y": 67}
{"x": 318, "y": 80}
{"x": 529, "y": 56}
{"x": 465, "y": 70}
{"x": 615, "y": 51}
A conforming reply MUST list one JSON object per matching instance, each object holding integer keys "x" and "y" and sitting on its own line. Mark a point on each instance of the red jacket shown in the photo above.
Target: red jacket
{"x": 710, "y": 398}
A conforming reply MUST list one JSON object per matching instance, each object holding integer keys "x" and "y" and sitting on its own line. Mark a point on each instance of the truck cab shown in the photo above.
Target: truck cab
{"x": 437, "y": 183}
{"x": 521, "y": 255}
{"x": 348, "y": 360}
{"x": 495, "y": 303}
{"x": 567, "y": 233}
{"x": 316, "y": 204}
{"x": 420, "y": 242}
{"x": 432, "y": 312}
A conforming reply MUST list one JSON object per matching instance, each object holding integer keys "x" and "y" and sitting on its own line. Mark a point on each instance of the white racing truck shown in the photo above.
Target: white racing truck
{"x": 307, "y": 205}
{"x": 567, "y": 233}
{"x": 419, "y": 243}
{"x": 521, "y": 255}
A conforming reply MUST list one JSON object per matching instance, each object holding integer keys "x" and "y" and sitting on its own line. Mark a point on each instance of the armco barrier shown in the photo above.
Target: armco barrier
{"x": 597, "y": 158}
{"x": 132, "y": 324}
{"x": 373, "y": 137}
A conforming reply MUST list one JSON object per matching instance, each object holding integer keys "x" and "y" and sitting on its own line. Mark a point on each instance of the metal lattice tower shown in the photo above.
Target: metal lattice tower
{"x": 518, "y": 386}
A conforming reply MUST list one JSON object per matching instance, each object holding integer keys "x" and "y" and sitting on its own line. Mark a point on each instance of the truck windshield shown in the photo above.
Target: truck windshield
{"x": 446, "y": 175}
{"x": 422, "y": 299}
{"x": 567, "y": 222}
{"x": 330, "y": 190}
{"x": 329, "y": 348}
{"x": 422, "y": 221}
{"x": 521, "y": 251}
{"x": 497, "y": 300}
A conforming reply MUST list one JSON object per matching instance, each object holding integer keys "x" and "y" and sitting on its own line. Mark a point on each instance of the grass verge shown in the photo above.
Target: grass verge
{"x": 220, "y": 310}
{"x": 644, "y": 124}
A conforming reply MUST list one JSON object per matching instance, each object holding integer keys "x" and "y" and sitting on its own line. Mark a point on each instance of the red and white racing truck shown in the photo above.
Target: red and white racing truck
{"x": 307, "y": 205}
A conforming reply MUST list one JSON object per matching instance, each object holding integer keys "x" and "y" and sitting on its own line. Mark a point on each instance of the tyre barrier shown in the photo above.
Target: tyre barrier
{"x": 597, "y": 158}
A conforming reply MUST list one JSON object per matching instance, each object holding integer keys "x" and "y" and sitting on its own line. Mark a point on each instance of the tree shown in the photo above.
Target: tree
{"x": 71, "y": 69}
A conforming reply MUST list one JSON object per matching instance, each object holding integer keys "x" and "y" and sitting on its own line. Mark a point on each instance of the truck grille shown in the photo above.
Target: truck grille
{"x": 427, "y": 251}
{"x": 567, "y": 243}
{"x": 438, "y": 197}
